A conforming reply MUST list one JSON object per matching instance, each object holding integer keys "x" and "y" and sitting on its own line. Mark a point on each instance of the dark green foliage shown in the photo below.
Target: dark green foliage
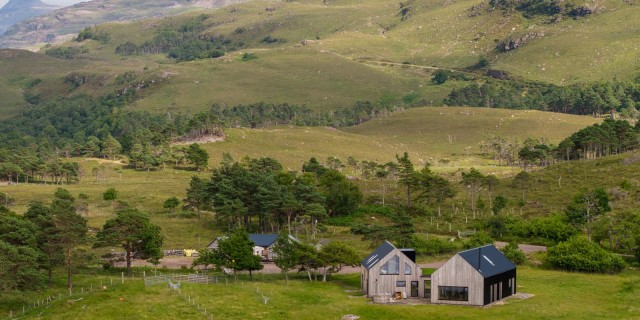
{"x": 513, "y": 253}
{"x": 342, "y": 196}
{"x": 236, "y": 252}
{"x": 610, "y": 137}
{"x": 19, "y": 268}
{"x": 197, "y": 156}
{"x": 259, "y": 187}
{"x": 248, "y": 56}
{"x": 197, "y": 194}
{"x": 595, "y": 98}
{"x": 478, "y": 240}
{"x": 128, "y": 49}
{"x": 110, "y": 195}
{"x": 132, "y": 230}
{"x": 434, "y": 246}
{"x": 171, "y": 203}
{"x": 400, "y": 231}
{"x": 91, "y": 33}
{"x": 499, "y": 203}
{"x": 66, "y": 53}
{"x": 586, "y": 207}
{"x": 335, "y": 255}
{"x": 184, "y": 42}
{"x": 579, "y": 254}
{"x": 441, "y": 76}
{"x": 285, "y": 254}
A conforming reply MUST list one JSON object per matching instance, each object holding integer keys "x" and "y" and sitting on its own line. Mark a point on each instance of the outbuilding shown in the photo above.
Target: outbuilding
{"x": 478, "y": 276}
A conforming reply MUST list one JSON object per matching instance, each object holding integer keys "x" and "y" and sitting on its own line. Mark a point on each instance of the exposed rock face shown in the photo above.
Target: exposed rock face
{"x": 17, "y": 10}
{"x": 53, "y": 26}
{"x": 516, "y": 42}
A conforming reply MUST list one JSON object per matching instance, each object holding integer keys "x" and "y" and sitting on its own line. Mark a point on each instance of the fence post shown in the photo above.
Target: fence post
{"x": 122, "y": 275}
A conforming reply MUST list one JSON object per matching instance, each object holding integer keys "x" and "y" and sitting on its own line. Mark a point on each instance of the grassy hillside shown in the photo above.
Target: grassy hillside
{"x": 589, "y": 299}
{"x": 355, "y": 50}
{"x": 24, "y": 71}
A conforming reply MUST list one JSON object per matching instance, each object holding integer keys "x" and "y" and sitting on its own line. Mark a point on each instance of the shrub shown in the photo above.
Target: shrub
{"x": 478, "y": 240}
{"x": 441, "y": 76}
{"x": 434, "y": 246}
{"x": 513, "y": 253}
{"x": 578, "y": 254}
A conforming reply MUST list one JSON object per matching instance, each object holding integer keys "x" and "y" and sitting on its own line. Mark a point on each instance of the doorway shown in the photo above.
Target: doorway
{"x": 414, "y": 289}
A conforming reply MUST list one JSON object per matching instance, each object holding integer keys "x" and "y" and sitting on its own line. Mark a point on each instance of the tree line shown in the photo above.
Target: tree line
{"x": 49, "y": 236}
{"x": 235, "y": 253}
{"x": 583, "y": 99}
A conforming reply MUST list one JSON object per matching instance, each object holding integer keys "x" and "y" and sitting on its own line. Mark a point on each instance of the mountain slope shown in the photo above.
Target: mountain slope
{"x": 17, "y": 10}
{"x": 66, "y": 22}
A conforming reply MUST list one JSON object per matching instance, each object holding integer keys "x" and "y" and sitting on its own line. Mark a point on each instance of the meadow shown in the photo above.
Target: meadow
{"x": 556, "y": 294}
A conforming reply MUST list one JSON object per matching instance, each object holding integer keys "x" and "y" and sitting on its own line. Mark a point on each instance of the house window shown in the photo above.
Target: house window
{"x": 407, "y": 268}
{"x": 401, "y": 283}
{"x": 391, "y": 267}
{"x": 453, "y": 293}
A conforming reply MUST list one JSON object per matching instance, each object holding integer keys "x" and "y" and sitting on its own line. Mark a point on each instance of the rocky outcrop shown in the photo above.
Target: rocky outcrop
{"x": 516, "y": 42}
{"x": 17, "y": 10}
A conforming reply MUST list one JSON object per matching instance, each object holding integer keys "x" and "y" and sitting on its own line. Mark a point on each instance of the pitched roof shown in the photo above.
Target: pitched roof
{"x": 263, "y": 240}
{"x": 488, "y": 260}
{"x": 380, "y": 252}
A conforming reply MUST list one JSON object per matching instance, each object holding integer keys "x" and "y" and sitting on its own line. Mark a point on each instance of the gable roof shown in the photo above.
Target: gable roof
{"x": 263, "y": 240}
{"x": 488, "y": 260}
{"x": 380, "y": 252}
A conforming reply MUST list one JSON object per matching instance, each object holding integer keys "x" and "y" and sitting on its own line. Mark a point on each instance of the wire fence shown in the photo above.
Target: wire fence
{"x": 186, "y": 278}
{"x": 74, "y": 295}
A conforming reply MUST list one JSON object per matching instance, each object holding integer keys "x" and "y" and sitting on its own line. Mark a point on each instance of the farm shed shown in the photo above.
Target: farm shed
{"x": 263, "y": 244}
{"x": 389, "y": 270}
{"x": 478, "y": 276}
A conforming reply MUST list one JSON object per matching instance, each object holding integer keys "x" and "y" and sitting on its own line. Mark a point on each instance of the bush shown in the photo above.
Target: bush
{"x": 578, "y": 254}
{"x": 478, "y": 240}
{"x": 66, "y": 53}
{"x": 441, "y": 76}
{"x": 513, "y": 253}
{"x": 434, "y": 246}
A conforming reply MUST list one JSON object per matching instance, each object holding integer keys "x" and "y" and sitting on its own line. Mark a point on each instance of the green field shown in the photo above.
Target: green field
{"x": 557, "y": 295}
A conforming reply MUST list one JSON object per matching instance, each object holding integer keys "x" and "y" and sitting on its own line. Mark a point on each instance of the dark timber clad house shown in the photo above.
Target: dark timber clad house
{"x": 389, "y": 270}
{"x": 477, "y": 277}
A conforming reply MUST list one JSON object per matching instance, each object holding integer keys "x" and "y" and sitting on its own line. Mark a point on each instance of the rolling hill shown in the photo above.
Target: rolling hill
{"x": 329, "y": 56}
{"x": 65, "y": 23}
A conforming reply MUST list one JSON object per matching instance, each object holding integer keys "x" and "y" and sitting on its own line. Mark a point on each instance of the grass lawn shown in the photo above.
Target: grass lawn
{"x": 558, "y": 295}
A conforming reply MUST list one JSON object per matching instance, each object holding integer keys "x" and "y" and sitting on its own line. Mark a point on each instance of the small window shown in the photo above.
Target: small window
{"x": 401, "y": 283}
{"x": 453, "y": 293}
{"x": 391, "y": 267}
{"x": 407, "y": 268}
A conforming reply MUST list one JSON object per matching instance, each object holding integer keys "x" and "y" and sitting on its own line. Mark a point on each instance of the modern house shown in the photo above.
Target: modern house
{"x": 388, "y": 271}
{"x": 263, "y": 244}
{"x": 478, "y": 277}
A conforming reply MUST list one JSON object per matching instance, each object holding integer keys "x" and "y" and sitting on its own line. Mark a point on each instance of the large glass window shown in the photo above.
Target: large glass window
{"x": 453, "y": 293}
{"x": 391, "y": 267}
{"x": 407, "y": 268}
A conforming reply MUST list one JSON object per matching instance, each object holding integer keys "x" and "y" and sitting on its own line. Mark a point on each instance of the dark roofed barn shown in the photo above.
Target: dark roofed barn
{"x": 478, "y": 276}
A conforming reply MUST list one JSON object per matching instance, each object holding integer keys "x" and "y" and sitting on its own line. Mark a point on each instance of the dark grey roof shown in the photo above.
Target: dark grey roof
{"x": 488, "y": 260}
{"x": 380, "y": 252}
{"x": 263, "y": 240}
